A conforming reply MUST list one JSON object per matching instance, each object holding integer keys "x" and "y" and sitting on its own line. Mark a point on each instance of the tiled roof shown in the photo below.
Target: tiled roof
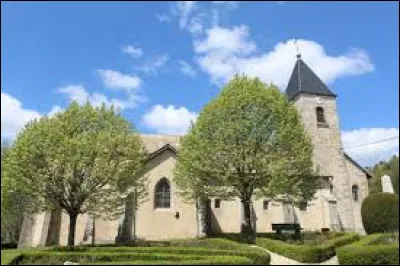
{"x": 303, "y": 79}
{"x": 155, "y": 142}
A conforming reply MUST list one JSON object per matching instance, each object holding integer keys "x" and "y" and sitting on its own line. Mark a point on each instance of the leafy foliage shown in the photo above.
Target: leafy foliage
{"x": 380, "y": 213}
{"x": 248, "y": 142}
{"x": 83, "y": 160}
{"x": 12, "y": 206}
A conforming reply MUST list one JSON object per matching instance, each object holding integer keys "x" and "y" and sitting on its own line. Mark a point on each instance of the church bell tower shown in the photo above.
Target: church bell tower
{"x": 316, "y": 105}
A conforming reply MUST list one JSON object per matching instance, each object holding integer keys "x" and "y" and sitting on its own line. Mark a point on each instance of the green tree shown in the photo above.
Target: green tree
{"x": 12, "y": 206}
{"x": 247, "y": 143}
{"x": 5, "y": 146}
{"x": 83, "y": 160}
{"x": 390, "y": 168}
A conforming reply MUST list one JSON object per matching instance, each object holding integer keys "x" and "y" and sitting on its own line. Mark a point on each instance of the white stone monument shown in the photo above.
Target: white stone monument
{"x": 387, "y": 184}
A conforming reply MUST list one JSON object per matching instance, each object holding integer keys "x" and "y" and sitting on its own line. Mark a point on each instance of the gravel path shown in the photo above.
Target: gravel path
{"x": 277, "y": 259}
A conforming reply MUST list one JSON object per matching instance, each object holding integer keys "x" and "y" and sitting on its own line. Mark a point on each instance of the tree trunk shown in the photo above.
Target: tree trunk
{"x": 247, "y": 227}
{"x": 72, "y": 227}
{"x": 204, "y": 218}
{"x": 135, "y": 207}
{"x": 127, "y": 222}
{"x": 93, "y": 232}
{"x": 207, "y": 217}
{"x": 134, "y": 224}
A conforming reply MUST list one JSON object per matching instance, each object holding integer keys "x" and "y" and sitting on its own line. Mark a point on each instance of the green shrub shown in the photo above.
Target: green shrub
{"x": 380, "y": 213}
{"x": 179, "y": 255}
{"x": 232, "y": 260}
{"x": 366, "y": 252}
{"x": 9, "y": 245}
{"x": 307, "y": 253}
{"x": 304, "y": 238}
{"x": 214, "y": 243}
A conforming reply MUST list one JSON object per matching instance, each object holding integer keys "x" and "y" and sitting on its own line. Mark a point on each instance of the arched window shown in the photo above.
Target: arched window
{"x": 320, "y": 114}
{"x": 162, "y": 196}
{"x": 354, "y": 190}
{"x": 331, "y": 188}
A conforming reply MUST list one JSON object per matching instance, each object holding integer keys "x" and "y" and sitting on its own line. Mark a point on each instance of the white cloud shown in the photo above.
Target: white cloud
{"x": 116, "y": 80}
{"x": 185, "y": 8}
{"x": 225, "y": 52}
{"x": 187, "y": 69}
{"x": 133, "y": 51}
{"x": 169, "y": 120}
{"x": 152, "y": 65}
{"x": 195, "y": 16}
{"x": 368, "y": 155}
{"x": 191, "y": 17}
{"x": 75, "y": 92}
{"x": 226, "y": 41}
{"x": 14, "y": 116}
{"x": 55, "y": 110}
{"x": 163, "y": 18}
{"x": 78, "y": 93}
{"x": 230, "y": 4}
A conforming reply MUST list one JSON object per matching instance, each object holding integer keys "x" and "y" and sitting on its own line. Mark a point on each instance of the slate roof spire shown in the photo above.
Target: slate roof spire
{"x": 303, "y": 79}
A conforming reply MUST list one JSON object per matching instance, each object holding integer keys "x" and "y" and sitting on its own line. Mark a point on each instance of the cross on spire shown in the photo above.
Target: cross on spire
{"x": 298, "y": 55}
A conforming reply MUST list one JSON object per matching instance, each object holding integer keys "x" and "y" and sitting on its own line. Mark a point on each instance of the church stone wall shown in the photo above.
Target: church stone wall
{"x": 264, "y": 218}
{"x": 357, "y": 177}
{"x": 328, "y": 155}
{"x": 158, "y": 223}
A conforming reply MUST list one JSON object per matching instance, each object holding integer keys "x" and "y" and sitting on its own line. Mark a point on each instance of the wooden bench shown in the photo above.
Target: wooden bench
{"x": 294, "y": 228}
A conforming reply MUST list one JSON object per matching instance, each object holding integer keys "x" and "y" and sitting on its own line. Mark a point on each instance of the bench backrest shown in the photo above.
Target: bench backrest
{"x": 285, "y": 226}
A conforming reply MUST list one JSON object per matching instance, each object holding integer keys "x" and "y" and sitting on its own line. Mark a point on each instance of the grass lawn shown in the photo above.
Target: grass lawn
{"x": 8, "y": 255}
{"x": 193, "y": 251}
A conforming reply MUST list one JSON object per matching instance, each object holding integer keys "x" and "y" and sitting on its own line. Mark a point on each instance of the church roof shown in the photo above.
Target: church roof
{"x": 153, "y": 143}
{"x": 303, "y": 79}
{"x": 369, "y": 175}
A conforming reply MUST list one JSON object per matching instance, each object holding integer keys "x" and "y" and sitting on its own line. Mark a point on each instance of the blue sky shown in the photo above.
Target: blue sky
{"x": 161, "y": 62}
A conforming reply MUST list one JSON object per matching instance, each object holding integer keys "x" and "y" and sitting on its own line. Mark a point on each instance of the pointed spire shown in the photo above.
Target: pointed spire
{"x": 303, "y": 79}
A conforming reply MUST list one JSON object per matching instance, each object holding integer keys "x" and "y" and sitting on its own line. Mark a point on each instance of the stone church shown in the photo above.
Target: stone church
{"x": 166, "y": 216}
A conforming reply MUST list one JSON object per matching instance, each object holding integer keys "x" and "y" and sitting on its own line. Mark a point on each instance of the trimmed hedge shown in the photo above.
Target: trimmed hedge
{"x": 307, "y": 253}
{"x": 198, "y": 251}
{"x": 216, "y": 260}
{"x": 214, "y": 243}
{"x": 365, "y": 253}
{"x": 154, "y": 255}
{"x": 220, "y": 243}
{"x": 380, "y": 213}
{"x": 258, "y": 257}
{"x": 9, "y": 245}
